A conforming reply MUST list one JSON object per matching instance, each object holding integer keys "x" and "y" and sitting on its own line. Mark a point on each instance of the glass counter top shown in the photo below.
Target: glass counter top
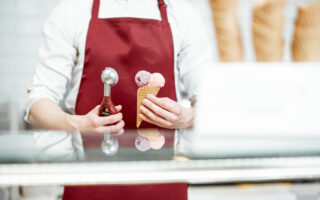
{"x": 55, "y": 146}
{"x": 152, "y": 156}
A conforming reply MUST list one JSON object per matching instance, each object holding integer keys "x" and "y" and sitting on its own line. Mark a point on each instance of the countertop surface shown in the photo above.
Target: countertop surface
{"x": 148, "y": 156}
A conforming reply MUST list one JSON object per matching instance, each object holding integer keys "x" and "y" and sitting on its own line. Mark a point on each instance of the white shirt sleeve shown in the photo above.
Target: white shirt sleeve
{"x": 57, "y": 57}
{"x": 196, "y": 50}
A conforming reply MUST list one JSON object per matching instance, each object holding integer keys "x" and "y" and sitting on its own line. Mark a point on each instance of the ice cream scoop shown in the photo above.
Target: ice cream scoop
{"x": 109, "y": 77}
{"x": 142, "y": 78}
{"x": 156, "y": 79}
{"x": 142, "y": 143}
{"x": 156, "y": 142}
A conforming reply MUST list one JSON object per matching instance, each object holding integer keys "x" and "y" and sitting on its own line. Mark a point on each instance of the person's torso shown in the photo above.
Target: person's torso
{"x": 146, "y": 9}
{"x": 128, "y": 45}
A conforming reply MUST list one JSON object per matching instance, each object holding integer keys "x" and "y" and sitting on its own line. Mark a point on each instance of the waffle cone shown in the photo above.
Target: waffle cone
{"x": 227, "y": 31}
{"x": 306, "y": 49}
{"x": 311, "y": 8}
{"x": 142, "y": 94}
{"x": 267, "y": 28}
{"x": 306, "y": 42}
{"x": 308, "y": 16}
{"x": 268, "y": 52}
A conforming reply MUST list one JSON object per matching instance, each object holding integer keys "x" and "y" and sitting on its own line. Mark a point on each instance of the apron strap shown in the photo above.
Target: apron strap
{"x": 162, "y": 6}
{"x": 163, "y": 10}
{"x": 95, "y": 9}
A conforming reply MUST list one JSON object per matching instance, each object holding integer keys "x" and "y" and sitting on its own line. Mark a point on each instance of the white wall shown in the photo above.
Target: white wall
{"x": 21, "y": 22}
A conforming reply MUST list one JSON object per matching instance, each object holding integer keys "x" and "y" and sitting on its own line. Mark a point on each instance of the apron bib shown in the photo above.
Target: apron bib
{"x": 128, "y": 45}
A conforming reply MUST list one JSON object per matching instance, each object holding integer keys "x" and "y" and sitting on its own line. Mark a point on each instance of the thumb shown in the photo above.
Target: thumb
{"x": 119, "y": 108}
{"x": 95, "y": 110}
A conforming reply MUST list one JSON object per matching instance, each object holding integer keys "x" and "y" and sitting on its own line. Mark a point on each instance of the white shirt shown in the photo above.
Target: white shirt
{"x": 61, "y": 56}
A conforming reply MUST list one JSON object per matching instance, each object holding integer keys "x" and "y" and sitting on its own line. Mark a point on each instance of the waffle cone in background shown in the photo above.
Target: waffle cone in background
{"x": 148, "y": 132}
{"x": 306, "y": 39}
{"x": 267, "y": 29}
{"x": 228, "y": 35}
{"x": 142, "y": 94}
{"x": 265, "y": 50}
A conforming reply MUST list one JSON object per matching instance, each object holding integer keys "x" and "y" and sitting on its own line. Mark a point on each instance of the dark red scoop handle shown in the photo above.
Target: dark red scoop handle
{"x": 107, "y": 104}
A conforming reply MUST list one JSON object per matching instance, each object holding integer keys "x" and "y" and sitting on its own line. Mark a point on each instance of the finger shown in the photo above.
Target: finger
{"x": 120, "y": 132}
{"x": 145, "y": 118}
{"x": 119, "y": 108}
{"x": 165, "y": 103}
{"x": 95, "y": 110}
{"x": 102, "y": 121}
{"x": 160, "y": 111}
{"x": 150, "y": 121}
{"x": 151, "y": 115}
{"x": 111, "y": 129}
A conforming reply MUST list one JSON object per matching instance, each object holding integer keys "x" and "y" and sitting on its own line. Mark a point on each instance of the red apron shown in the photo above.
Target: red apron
{"x": 128, "y": 45}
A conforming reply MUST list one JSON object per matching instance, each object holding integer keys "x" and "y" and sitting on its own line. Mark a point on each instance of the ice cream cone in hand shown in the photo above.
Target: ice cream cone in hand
{"x": 148, "y": 84}
{"x": 142, "y": 94}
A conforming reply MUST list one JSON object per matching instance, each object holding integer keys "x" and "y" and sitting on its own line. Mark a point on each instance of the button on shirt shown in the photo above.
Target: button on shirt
{"x": 61, "y": 55}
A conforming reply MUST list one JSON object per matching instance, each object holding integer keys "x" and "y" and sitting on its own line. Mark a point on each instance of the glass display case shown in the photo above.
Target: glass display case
{"x": 143, "y": 156}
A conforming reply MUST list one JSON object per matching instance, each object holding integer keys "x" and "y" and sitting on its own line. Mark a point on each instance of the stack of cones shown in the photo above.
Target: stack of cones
{"x": 306, "y": 39}
{"x": 142, "y": 94}
{"x": 227, "y": 30}
{"x": 267, "y": 29}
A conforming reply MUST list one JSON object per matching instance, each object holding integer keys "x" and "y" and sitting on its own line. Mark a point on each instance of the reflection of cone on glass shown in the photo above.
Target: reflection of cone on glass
{"x": 149, "y": 138}
{"x": 306, "y": 39}
{"x": 142, "y": 143}
{"x": 227, "y": 31}
{"x": 148, "y": 132}
{"x": 267, "y": 29}
{"x": 157, "y": 142}
{"x": 148, "y": 84}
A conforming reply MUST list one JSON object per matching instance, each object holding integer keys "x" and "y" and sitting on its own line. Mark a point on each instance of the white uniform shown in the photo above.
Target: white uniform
{"x": 61, "y": 56}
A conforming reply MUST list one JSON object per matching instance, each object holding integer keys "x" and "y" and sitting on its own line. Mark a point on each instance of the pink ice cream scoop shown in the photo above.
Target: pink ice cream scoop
{"x": 156, "y": 142}
{"x": 156, "y": 79}
{"x": 142, "y": 78}
{"x": 142, "y": 143}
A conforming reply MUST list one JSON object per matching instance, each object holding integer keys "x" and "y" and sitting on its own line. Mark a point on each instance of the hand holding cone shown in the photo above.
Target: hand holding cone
{"x": 148, "y": 84}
